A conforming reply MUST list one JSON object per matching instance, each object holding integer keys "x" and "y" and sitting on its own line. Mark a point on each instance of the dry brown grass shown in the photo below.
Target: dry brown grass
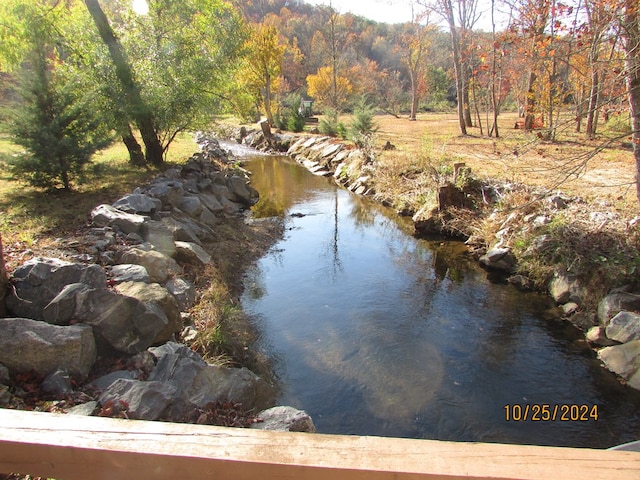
{"x": 601, "y": 170}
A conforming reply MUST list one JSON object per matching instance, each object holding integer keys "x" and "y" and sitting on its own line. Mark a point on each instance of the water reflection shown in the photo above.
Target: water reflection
{"x": 374, "y": 332}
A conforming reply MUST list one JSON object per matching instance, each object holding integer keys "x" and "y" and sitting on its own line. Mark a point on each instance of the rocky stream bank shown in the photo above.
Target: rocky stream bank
{"x": 108, "y": 329}
{"x": 585, "y": 256}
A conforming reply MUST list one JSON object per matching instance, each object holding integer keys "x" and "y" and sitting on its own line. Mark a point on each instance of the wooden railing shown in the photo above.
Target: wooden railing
{"x": 70, "y": 447}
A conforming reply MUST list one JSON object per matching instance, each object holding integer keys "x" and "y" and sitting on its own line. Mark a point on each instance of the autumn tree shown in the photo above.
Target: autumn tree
{"x": 328, "y": 89}
{"x": 631, "y": 37}
{"x": 414, "y": 44}
{"x": 263, "y": 63}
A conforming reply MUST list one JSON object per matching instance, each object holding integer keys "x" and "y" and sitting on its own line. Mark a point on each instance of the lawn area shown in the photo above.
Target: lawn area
{"x": 601, "y": 170}
{"x": 32, "y": 218}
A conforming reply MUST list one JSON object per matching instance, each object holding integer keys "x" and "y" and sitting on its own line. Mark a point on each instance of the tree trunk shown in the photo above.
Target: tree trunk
{"x": 457, "y": 64}
{"x": 593, "y": 105}
{"x": 136, "y": 157}
{"x": 4, "y": 282}
{"x": 414, "y": 95}
{"x": 136, "y": 107}
{"x": 466, "y": 98}
{"x": 632, "y": 49}
{"x": 267, "y": 100}
{"x": 529, "y": 109}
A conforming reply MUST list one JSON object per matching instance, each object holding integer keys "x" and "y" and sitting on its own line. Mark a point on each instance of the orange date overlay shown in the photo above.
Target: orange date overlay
{"x": 550, "y": 413}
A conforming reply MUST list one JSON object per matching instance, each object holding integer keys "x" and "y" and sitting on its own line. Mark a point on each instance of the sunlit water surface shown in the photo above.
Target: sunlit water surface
{"x": 374, "y": 332}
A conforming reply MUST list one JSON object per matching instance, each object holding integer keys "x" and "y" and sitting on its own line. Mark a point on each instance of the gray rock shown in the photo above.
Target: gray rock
{"x": 85, "y": 409}
{"x": 39, "y": 280}
{"x": 170, "y": 193}
{"x": 129, "y": 273}
{"x": 125, "y": 323}
{"x": 624, "y": 327}
{"x": 235, "y": 385}
{"x": 183, "y": 291}
{"x": 499, "y": 259}
{"x": 104, "y": 382}
{"x": 138, "y": 203}
{"x": 106, "y": 215}
{"x": 58, "y": 383}
{"x": 31, "y": 345}
{"x": 179, "y": 364}
{"x": 222, "y": 192}
{"x": 208, "y": 218}
{"x": 192, "y": 253}
{"x": 61, "y": 310}
{"x": 191, "y": 205}
{"x": 284, "y": 419}
{"x": 211, "y": 202}
{"x": 570, "y": 308}
{"x": 565, "y": 288}
{"x": 144, "y": 400}
{"x": 154, "y": 294}
{"x": 521, "y": 282}
{"x": 243, "y": 193}
{"x": 597, "y": 336}
{"x": 4, "y": 375}
{"x": 558, "y": 202}
{"x": 624, "y": 360}
{"x": 614, "y": 303}
{"x": 181, "y": 231}
{"x": 160, "y": 236}
{"x": 159, "y": 266}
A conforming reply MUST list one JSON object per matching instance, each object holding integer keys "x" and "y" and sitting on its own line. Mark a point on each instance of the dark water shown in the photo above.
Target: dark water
{"x": 374, "y": 332}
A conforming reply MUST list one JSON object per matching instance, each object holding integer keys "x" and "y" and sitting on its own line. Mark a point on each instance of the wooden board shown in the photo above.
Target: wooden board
{"x": 69, "y": 447}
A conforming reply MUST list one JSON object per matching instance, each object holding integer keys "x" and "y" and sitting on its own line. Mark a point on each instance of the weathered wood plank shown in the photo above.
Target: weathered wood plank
{"x": 71, "y": 447}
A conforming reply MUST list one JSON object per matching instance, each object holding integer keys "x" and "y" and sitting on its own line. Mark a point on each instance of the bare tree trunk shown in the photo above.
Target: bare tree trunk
{"x": 530, "y": 104}
{"x": 414, "y": 95}
{"x": 631, "y": 32}
{"x": 593, "y": 105}
{"x": 466, "y": 97}
{"x": 137, "y": 109}
{"x": 457, "y": 64}
{"x": 4, "y": 282}
{"x": 267, "y": 100}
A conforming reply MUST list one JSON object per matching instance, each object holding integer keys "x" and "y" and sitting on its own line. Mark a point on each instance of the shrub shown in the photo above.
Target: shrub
{"x": 329, "y": 124}
{"x": 362, "y": 126}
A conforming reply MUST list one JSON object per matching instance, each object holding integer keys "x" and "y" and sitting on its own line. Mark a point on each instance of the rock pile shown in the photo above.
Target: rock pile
{"x": 129, "y": 299}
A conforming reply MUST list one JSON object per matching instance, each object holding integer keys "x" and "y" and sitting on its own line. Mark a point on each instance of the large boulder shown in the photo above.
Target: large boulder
{"x": 160, "y": 236}
{"x": 565, "y": 288}
{"x": 183, "y": 291}
{"x": 211, "y": 202}
{"x": 192, "y": 253}
{"x": 284, "y": 419}
{"x": 191, "y": 205}
{"x": 129, "y": 273}
{"x": 182, "y": 231}
{"x": 243, "y": 193}
{"x": 176, "y": 363}
{"x": 499, "y": 259}
{"x": 141, "y": 400}
{"x": 169, "y": 192}
{"x": 39, "y": 280}
{"x": 159, "y": 266}
{"x": 32, "y": 345}
{"x": 154, "y": 294}
{"x": 236, "y": 385}
{"x": 614, "y": 303}
{"x": 624, "y": 360}
{"x": 138, "y": 203}
{"x": 106, "y": 215}
{"x": 124, "y": 323}
{"x": 624, "y": 327}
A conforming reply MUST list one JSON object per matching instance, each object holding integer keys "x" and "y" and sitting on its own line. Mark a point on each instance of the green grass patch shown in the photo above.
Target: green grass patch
{"x": 30, "y": 215}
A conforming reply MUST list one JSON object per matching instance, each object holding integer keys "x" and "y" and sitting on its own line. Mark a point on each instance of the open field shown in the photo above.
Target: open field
{"x": 601, "y": 170}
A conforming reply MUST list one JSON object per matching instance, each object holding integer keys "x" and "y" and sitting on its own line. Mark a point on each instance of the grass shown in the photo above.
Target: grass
{"x": 33, "y": 217}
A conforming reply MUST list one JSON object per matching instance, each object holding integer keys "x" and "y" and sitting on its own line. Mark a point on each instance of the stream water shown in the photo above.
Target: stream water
{"x": 375, "y": 332}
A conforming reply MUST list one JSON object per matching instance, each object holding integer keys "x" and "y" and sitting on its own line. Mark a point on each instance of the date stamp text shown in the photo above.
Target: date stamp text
{"x": 550, "y": 413}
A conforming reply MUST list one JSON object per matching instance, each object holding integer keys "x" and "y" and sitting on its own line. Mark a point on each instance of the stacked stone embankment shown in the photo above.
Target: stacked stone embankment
{"x": 129, "y": 298}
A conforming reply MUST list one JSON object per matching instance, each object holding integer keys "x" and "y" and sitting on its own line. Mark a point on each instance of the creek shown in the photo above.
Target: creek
{"x": 375, "y": 332}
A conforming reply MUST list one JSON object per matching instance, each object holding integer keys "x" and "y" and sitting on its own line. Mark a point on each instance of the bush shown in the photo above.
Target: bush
{"x": 329, "y": 124}
{"x": 296, "y": 122}
{"x": 362, "y": 126}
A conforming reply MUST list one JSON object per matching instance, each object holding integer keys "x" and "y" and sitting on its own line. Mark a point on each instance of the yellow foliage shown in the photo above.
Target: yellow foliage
{"x": 322, "y": 88}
